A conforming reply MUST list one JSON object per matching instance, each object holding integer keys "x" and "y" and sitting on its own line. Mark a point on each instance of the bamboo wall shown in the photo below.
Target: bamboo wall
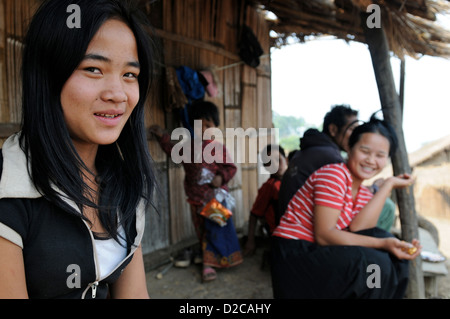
{"x": 14, "y": 17}
{"x": 195, "y": 33}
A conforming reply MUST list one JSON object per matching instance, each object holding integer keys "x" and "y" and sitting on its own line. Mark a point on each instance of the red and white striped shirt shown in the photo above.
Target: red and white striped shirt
{"x": 329, "y": 186}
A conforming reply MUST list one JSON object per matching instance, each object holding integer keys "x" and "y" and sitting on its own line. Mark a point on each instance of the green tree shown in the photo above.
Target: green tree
{"x": 290, "y": 128}
{"x": 290, "y": 143}
{"x": 288, "y": 125}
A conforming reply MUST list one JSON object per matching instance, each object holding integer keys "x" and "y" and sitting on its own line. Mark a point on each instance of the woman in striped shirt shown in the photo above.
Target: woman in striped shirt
{"x": 327, "y": 244}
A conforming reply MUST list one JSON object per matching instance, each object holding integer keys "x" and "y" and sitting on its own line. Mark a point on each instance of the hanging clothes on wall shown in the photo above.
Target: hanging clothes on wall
{"x": 249, "y": 48}
{"x": 193, "y": 90}
{"x": 190, "y": 83}
{"x": 210, "y": 82}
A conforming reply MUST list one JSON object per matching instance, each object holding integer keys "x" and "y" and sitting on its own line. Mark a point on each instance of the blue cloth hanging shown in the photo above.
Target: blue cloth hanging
{"x": 193, "y": 89}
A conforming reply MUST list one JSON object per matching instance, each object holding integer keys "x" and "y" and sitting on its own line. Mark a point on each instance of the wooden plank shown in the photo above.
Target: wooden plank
{"x": 16, "y": 112}
{"x": 432, "y": 271}
{"x": 180, "y": 214}
{"x": 196, "y": 43}
{"x": 3, "y": 78}
{"x": 10, "y": 76}
{"x": 249, "y": 186}
{"x": 428, "y": 244}
{"x": 249, "y": 114}
{"x": 156, "y": 235}
{"x": 2, "y": 25}
{"x": 263, "y": 104}
{"x": 232, "y": 87}
{"x": 240, "y": 215}
{"x": 154, "y": 114}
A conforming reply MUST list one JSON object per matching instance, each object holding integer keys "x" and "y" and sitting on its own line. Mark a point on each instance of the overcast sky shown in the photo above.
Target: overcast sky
{"x": 308, "y": 78}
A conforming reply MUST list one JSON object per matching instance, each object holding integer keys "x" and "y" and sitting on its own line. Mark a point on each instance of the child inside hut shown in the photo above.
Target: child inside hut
{"x": 219, "y": 243}
{"x": 266, "y": 201}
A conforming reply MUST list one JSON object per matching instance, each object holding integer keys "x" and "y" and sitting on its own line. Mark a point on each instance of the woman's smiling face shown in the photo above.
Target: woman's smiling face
{"x": 101, "y": 93}
{"x": 368, "y": 156}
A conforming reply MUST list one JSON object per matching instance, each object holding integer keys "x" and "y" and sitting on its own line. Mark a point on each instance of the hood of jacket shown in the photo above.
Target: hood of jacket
{"x": 15, "y": 181}
{"x": 313, "y": 137}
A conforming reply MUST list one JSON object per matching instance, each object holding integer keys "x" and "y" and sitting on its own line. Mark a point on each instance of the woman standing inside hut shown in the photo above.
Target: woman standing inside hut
{"x": 219, "y": 243}
{"x": 76, "y": 180}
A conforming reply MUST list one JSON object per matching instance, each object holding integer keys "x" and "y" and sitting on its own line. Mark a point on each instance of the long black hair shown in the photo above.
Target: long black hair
{"x": 338, "y": 115}
{"x": 375, "y": 125}
{"x": 52, "y": 52}
{"x": 201, "y": 109}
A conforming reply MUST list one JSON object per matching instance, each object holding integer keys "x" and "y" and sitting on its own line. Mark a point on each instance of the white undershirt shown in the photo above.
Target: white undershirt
{"x": 110, "y": 253}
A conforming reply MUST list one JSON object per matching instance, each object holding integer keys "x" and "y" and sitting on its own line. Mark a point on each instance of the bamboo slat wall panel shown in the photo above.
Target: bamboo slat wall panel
{"x": 17, "y": 15}
{"x": 180, "y": 213}
{"x": 155, "y": 115}
{"x": 264, "y": 119}
{"x": 156, "y": 234}
{"x": 249, "y": 187}
{"x": 231, "y": 91}
{"x": 249, "y": 121}
{"x": 3, "y": 83}
{"x": 256, "y": 106}
{"x": 157, "y": 222}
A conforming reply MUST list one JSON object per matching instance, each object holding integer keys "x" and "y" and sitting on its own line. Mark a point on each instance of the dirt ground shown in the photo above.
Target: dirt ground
{"x": 443, "y": 227}
{"x": 444, "y": 284}
{"x": 251, "y": 279}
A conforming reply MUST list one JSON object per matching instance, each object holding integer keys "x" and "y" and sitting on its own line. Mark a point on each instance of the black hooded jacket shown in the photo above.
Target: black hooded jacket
{"x": 316, "y": 150}
{"x": 60, "y": 254}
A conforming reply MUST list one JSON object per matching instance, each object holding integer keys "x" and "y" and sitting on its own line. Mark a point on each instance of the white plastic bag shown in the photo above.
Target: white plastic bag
{"x": 206, "y": 176}
{"x": 222, "y": 195}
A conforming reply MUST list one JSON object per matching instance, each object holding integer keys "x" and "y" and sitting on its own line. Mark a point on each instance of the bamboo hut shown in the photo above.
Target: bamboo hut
{"x": 431, "y": 165}
{"x": 205, "y": 35}
{"x": 431, "y": 168}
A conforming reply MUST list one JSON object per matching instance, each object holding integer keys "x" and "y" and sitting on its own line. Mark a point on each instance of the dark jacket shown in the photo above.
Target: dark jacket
{"x": 316, "y": 150}
{"x": 52, "y": 240}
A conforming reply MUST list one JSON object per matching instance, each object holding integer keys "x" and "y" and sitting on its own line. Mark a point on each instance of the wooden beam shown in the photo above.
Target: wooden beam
{"x": 390, "y": 102}
{"x": 195, "y": 43}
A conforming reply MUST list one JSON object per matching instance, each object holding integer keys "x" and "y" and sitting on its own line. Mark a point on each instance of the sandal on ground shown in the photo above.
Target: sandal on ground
{"x": 198, "y": 258}
{"x": 183, "y": 260}
{"x": 208, "y": 274}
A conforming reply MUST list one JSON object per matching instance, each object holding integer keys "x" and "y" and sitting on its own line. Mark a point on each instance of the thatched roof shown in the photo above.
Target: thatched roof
{"x": 410, "y": 25}
{"x": 430, "y": 150}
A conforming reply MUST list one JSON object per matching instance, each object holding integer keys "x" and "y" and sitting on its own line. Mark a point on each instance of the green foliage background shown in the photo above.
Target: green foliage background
{"x": 291, "y": 128}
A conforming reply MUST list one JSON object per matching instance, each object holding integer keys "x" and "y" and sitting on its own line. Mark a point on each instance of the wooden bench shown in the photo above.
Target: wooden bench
{"x": 431, "y": 270}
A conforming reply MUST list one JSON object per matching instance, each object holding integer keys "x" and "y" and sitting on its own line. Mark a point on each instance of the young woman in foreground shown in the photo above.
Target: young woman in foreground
{"x": 76, "y": 181}
{"x": 327, "y": 244}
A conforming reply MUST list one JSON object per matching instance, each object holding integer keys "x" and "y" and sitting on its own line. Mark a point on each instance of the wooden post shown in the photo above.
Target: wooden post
{"x": 402, "y": 84}
{"x": 390, "y": 102}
